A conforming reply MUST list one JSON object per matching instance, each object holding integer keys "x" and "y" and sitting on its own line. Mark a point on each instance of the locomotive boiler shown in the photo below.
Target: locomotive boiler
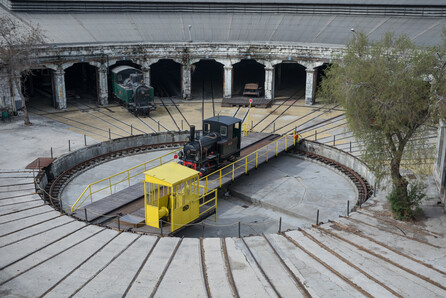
{"x": 218, "y": 144}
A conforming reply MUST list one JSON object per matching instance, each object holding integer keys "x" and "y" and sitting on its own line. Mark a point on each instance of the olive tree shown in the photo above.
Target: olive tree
{"x": 391, "y": 90}
{"x": 19, "y": 44}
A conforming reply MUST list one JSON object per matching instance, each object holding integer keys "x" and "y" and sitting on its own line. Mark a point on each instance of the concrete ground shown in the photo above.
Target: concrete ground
{"x": 45, "y": 253}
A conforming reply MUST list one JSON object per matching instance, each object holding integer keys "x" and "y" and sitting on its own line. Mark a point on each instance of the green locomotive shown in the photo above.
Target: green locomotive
{"x": 128, "y": 87}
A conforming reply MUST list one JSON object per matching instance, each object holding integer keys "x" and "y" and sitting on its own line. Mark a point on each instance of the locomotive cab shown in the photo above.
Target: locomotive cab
{"x": 229, "y": 130}
{"x": 219, "y": 143}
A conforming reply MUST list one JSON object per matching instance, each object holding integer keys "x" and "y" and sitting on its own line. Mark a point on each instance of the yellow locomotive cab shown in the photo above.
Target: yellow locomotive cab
{"x": 171, "y": 191}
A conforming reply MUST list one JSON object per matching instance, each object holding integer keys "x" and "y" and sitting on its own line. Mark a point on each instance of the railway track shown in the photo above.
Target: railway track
{"x": 363, "y": 187}
{"x": 54, "y": 187}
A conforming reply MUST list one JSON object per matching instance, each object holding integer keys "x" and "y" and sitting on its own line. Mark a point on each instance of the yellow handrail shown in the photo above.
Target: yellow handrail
{"x": 108, "y": 188}
{"x": 214, "y": 198}
{"x": 252, "y": 157}
{"x": 241, "y": 163}
{"x": 246, "y": 127}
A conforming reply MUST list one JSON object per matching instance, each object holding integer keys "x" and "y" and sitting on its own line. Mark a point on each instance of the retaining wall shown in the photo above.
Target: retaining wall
{"x": 340, "y": 156}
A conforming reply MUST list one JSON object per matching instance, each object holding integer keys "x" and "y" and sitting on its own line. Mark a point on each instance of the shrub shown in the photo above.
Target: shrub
{"x": 407, "y": 208}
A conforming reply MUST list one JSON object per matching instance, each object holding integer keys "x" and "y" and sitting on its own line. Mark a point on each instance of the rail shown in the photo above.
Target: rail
{"x": 242, "y": 164}
{"x": 121, "y": 180}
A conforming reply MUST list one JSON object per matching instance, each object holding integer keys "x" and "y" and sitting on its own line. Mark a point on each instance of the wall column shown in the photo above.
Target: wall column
{"x": 103, "y": 84}
{"x": 146, "y": 74}
{"x": 310, "y": 86}
{"x": 439, "y": 172}
{"x": 59, "y": 88}
{"x": 227, "y": 81}
{"x": 5, "y": 94}
{"x": 269, "y": 82}
{"x": 186, "y": 80}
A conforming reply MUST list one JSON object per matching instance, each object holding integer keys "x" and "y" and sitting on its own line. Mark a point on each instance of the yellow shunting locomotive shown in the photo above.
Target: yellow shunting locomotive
{"x": 172, "y": 195}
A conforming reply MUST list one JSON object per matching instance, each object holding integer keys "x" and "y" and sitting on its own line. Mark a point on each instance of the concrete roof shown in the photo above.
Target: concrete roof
{"x": 309, "y": 2}
{"x": 94, "y": 28}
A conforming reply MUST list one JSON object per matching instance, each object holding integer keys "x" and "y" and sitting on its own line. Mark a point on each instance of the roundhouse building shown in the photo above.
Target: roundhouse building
{"x": 185, "y": 46}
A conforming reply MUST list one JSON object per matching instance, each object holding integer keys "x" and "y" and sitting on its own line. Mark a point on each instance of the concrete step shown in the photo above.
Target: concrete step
{"x": 14, "y": 273}
{"x": 319, "y": 280}
{"x": 398, "y": 227}
{"x": 277, "y": 275}
{"x": 24, "y": 206}
{"x": 361, "y": 281}
{"x": 184, "y": 276}
{"x": 249, "y": 282}
{"x": 402, "y": 282}
{"x": 25, "y": 214}
{"x": 12, "y": 227}
{"x": 150, "y": 273}
{"x": 386, "y": 253}
{"x": 58, "y": 267}
{"x": 406, "y": 244}
{"x": 215, "y": 267}
{"x": 117, "y": 276}
{"x": 47, "y": 223}
{"x": 30, "y": 246}
{"x": 97, "y": 262}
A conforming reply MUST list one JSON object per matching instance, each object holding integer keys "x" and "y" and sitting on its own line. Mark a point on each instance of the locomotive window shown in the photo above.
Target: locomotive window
{"x": 223, "y": 131}
{"x": 207, "y": 127}
{"x": 119, "y": 78}
{"x": 236, "y": 130}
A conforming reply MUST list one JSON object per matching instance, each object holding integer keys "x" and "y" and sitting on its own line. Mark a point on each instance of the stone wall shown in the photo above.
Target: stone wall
{"x": 71, "y": 159}
{"x": 342, "y": 157}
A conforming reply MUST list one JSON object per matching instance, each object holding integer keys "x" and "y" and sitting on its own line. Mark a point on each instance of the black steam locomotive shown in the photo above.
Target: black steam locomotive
{"x": 219, "y": 144}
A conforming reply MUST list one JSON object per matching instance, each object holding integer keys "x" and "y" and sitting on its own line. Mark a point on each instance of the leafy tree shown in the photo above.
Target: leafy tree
{"x": 390, "y": 90}
{"x": 20, "y": 43}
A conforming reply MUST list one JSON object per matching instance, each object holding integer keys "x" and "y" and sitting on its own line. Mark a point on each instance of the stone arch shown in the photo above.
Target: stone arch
{"x": 289, "y": 78}
{"x": 207, "y": 79}
{"x": 166, "y": 77}
{"x": 247, "y": 71}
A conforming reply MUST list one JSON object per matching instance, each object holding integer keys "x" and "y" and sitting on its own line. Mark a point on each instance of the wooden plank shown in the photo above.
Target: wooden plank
{"x": 110, "y": 203}
{"x": 258, "y": 102}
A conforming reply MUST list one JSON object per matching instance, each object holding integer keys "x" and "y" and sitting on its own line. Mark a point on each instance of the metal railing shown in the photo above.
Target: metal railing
{"x": 124, "y": 179}
{"x": 251, "y": 158}
{"x": 246, "y": 129}
{"x": 204, "y": 201}
{"x": 121, "y": 180}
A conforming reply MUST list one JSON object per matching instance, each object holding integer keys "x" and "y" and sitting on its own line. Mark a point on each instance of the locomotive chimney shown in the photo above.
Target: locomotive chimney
{"x": 192, "y": 133}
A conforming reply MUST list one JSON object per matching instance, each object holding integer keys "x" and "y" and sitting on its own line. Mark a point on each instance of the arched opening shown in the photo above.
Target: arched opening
{"x": 81, "y": 83}
{"x": 245, "y": 72}
{"x": 320, "y": 75}
{"x": 289, "y": 80}
{"x": 165, "y": 77}
{"x": 126, "y": 62}
{"x": 207, "y": 79}
{"x": 37, "y": 87}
